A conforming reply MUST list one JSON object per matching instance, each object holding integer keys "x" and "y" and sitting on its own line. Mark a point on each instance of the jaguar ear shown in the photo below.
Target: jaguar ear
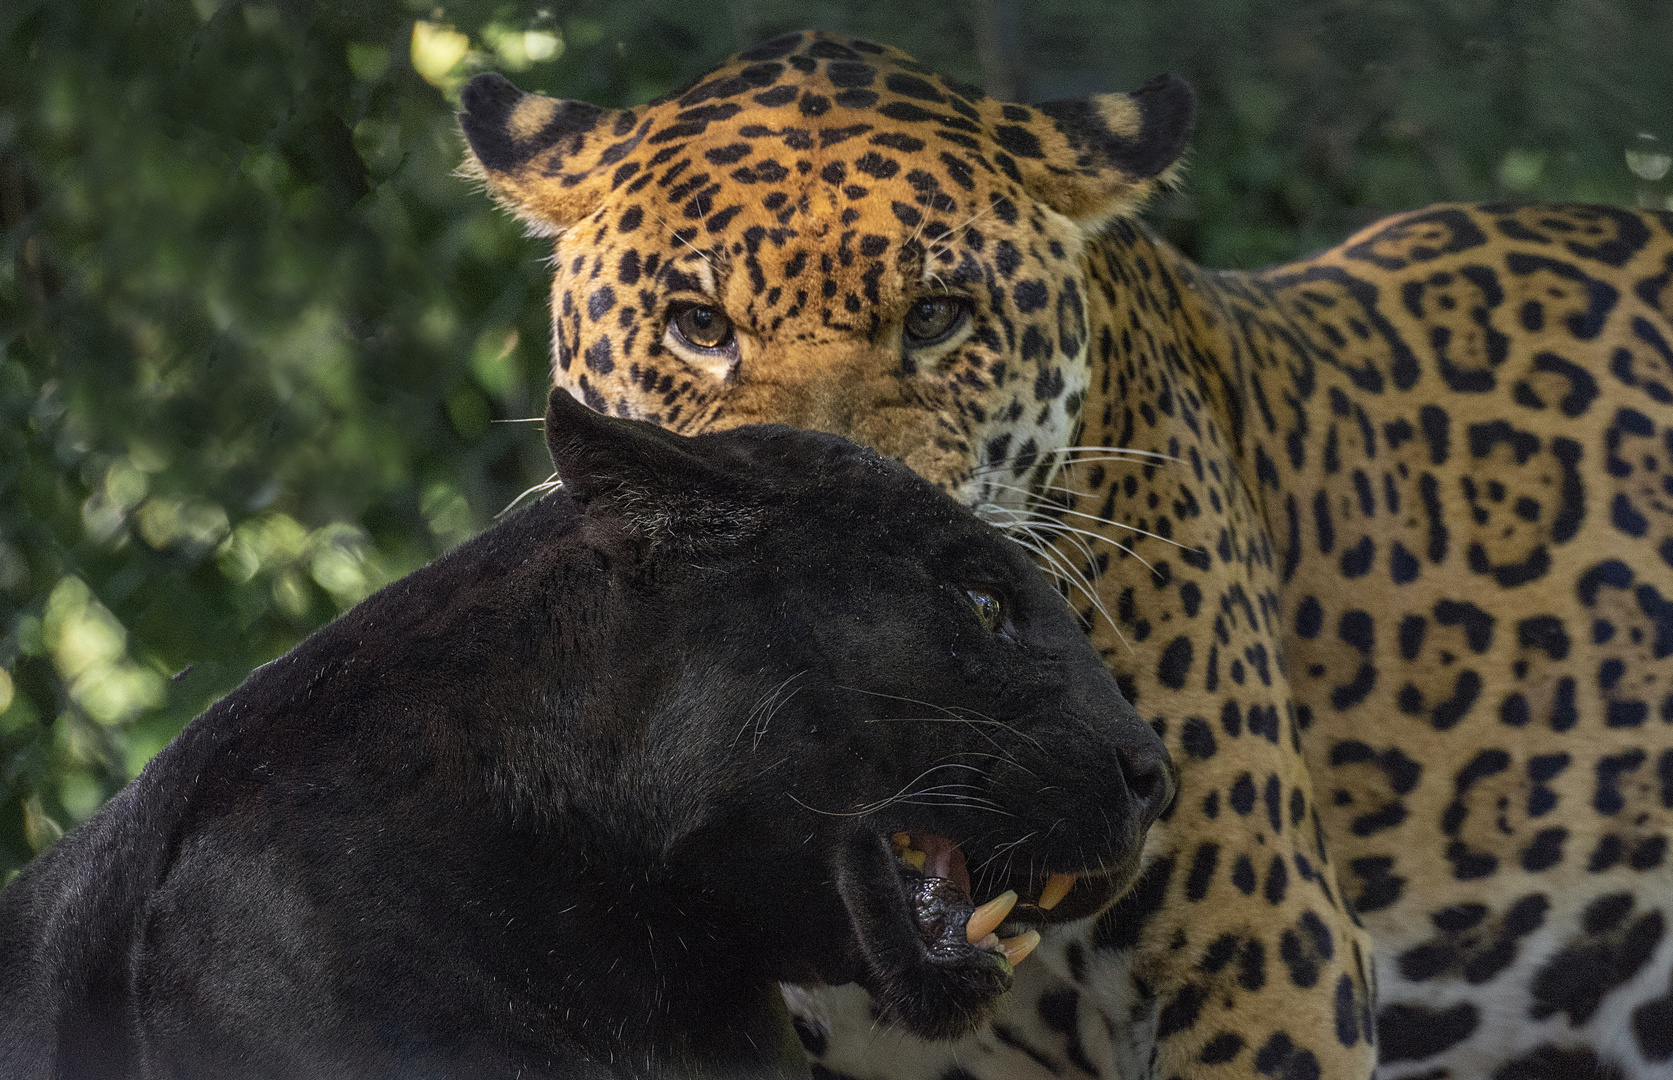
{"x": 1097, "y": 157}
{"x": 547, "y": 161}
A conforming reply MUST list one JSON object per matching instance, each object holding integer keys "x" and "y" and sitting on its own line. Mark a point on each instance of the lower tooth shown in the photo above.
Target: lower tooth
{"x": 1017, "y": 948}
{"x": 990, "y": 943}
{"x": 914, "y": 859}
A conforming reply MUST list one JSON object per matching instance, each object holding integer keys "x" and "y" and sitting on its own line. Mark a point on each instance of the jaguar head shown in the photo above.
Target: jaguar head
{"x": 825, "y": 233}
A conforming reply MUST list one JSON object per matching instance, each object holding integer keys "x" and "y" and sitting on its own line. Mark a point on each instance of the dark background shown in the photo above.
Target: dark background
{"x": 261, "y": 352}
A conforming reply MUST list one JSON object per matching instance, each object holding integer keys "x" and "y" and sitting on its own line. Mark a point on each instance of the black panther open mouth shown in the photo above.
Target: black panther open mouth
{"x": 935, "y": 960}
{"x": 1019, "y": 904}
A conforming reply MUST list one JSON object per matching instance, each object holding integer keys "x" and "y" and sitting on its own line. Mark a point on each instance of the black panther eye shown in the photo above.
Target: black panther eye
{"x": 933, "y": 319}
{"x": 990, "y": 609}
{"x": 702, "y": 327}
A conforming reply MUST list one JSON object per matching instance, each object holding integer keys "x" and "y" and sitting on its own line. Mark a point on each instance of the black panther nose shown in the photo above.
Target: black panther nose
{"x": 1151, "y": 776}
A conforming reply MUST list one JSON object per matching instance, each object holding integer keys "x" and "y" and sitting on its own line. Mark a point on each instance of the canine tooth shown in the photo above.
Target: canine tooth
{"x": 986, "y": 919}
{"x": 914, "y": 859}
{"x": 901, "y": 840}
{"x": 1015, "y": 949}
{"x": 1057, "y": 887}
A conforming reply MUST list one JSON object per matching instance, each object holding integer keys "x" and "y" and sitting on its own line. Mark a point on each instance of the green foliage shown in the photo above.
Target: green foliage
{"x": 257, "y": 341}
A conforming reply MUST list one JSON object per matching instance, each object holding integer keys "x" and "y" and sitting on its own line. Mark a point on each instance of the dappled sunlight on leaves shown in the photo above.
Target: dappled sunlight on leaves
{"x": 337, "y": 557}
{"x": 168, "y": 523}
{"x": 39, "y": 828}
{"x": 448, "y": 514}
{"x": 436, "y": 50}
{"x": 89, "y": 648}
{"x": 1647, "y": 165}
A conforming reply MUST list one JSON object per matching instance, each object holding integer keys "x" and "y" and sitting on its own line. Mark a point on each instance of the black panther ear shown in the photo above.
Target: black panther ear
{"x": 600, "y": 456}
{"x": 665, "y": 487}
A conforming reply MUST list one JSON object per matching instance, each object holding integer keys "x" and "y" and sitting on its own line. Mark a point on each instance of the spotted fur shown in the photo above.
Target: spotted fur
{"x": 1381, "y": 541}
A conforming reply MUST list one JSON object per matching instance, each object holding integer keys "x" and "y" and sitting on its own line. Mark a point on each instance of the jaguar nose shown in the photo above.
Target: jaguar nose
{"x": 1151, "y": 776}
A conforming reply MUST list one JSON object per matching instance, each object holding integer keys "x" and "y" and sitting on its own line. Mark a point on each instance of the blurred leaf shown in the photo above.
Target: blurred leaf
{"x": 437, "y": 50}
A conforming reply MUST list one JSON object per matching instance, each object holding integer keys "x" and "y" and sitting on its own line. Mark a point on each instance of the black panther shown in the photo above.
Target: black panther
{"x": 724, "y": 711}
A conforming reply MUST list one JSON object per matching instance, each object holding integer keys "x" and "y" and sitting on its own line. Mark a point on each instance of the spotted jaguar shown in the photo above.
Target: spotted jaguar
{"x": 1381, "y": 542}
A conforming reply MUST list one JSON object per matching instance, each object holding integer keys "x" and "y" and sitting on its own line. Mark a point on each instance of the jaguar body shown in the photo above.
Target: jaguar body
{"x": 1380, "y": 541}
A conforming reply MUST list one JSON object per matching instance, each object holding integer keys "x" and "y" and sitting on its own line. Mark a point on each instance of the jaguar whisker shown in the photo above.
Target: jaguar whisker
{"x": 1101, "y": 520}
{"x": 551, "y": 483}
{"x": 1105, "y": 453}
{"x": 1045, "y": 520}
{"x": 1054, "y": 563}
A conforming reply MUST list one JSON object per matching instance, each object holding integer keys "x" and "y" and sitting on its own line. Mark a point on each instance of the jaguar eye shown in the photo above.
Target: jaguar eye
{"x": 703, "y": 327}
{"x": 990, "y": 610}
{"x": 933, "y": 319}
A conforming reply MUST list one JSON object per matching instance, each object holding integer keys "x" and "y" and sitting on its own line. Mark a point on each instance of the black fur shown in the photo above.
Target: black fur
{"x": 570, "y": 801}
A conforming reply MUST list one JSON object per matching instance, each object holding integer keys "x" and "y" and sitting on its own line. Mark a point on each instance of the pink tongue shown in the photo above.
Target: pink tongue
{"x": 943, "y": 859}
